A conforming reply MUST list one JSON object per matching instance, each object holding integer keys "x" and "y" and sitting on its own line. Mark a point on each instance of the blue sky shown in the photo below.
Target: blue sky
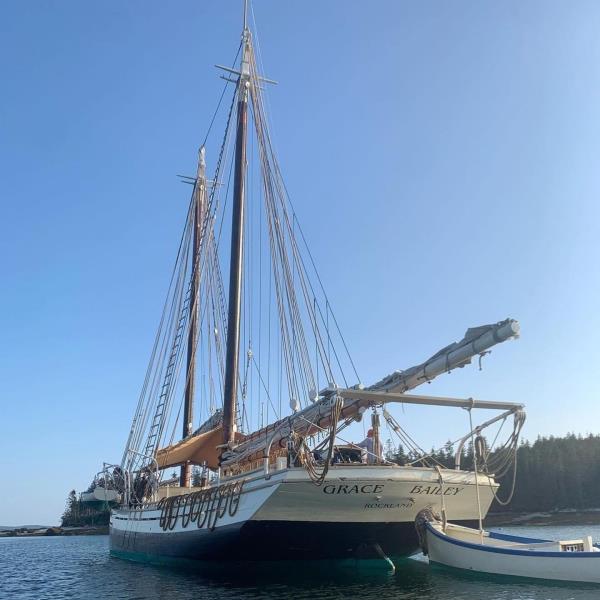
{"x": 443, "y": 159}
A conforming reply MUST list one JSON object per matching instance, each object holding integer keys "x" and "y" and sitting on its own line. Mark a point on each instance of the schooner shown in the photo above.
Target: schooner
{"x": 258, "y": 480}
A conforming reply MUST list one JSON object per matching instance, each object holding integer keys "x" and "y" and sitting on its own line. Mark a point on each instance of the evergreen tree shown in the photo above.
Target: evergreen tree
{"x": 554, "y": 473}
{"x": 71, "y": 509}
{"x": 82, "y": 514}
{"x": 448, "y": 455}
{"x": 196, "y": 476}
{"x": 397, "y": 456}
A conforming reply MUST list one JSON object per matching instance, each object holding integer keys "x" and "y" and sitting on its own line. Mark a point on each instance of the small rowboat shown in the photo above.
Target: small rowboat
{"x": 488, "y": 552}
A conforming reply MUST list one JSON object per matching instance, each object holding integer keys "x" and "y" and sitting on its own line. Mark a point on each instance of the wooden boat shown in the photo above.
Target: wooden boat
{"x": 500, "y": 554}
{"x": 259, "y": 480}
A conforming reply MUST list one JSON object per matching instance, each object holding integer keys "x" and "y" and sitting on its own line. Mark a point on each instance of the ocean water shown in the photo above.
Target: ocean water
{"x": 80, "y": 567}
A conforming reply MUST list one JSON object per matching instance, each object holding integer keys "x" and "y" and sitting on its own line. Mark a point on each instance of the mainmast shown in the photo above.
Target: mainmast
{"x": 188, "y": 406}
{"x": 237, "y": 244}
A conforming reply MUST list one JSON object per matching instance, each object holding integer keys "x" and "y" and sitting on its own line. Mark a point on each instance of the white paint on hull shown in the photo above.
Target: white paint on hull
{"x": 514, "y": 560}
{"x": 374, "y": 495}
{"x": 350, "y": 494}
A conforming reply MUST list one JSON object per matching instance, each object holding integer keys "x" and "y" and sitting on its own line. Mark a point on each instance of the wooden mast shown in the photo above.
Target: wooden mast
{"x": 188, "y": 406}
{"x": 237, "y": 246}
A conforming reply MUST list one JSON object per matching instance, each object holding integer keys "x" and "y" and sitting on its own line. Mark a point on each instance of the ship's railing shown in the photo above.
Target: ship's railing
{"x": 111, "y": 474}
{"x": 127, "y": 487}
{"x": 152, "y": 474}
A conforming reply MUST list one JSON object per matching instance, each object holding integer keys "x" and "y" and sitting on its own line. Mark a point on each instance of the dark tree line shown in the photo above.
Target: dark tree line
{"x": 553, "y": 473}
{"x": 557, "y": 473}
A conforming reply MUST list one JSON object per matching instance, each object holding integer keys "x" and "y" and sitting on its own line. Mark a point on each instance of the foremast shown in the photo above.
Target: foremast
{"x": 188, "y": 405}
{"x": 237, "y": 244}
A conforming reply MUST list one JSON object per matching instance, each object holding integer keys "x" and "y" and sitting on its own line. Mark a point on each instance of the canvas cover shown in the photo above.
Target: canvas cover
{"x": 196, "y": 449}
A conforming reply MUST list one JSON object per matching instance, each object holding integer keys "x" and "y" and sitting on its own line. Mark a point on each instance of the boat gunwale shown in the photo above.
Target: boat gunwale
{"x": 280, "y": 477}
{"x": 511, "y": 551}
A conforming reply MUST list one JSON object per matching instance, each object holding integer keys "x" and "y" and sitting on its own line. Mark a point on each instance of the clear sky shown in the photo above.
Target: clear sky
{"x": 443, "y": 158}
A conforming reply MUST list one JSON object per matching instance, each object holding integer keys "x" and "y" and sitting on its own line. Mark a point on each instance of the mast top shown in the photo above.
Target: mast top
{"x": 244, "y": 80}
{"x": 244, "y": 74}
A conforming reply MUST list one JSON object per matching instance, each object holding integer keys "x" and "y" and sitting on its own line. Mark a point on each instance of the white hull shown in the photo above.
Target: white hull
{"x": 509, "y": 555}
{"x": 360, "y": 506}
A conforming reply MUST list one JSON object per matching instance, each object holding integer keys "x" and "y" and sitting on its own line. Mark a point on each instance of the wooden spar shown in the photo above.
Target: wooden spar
{"x": 237, "y": 246}
{"x": 477, "y": 340}
{"x": 188, "y": 406}
{"x": 317, "y": 417}
{"x": 387, "y": 397}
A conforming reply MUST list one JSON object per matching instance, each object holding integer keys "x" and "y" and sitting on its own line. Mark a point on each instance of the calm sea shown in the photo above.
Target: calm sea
{"x": 79, "y": 567}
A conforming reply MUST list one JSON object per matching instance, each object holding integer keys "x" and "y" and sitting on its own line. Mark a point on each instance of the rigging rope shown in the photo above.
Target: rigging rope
{"x": 511, "y": 450}
{"x": 293, "y": 296}
{"x": 306, "y": 456}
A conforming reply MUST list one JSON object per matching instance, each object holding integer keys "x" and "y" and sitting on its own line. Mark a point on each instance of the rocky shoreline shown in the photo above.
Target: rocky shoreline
{"x": 559, "y": 517}
{"x": 54, "y": 531}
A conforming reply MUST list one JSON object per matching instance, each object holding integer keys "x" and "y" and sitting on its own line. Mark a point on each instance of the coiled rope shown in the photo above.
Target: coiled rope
{"x": 505, "y": 457}
{"x": 204, "y": 507}
{"x": 306, "y": 457}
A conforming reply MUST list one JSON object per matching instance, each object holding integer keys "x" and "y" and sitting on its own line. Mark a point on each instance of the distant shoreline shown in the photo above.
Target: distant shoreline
{"x": 560, "y": 517}
{"x": 53, "y": 531}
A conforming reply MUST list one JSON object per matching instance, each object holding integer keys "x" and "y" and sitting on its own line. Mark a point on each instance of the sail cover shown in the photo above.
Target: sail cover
{"x": 458, "y": 354}
{"x": 196, "y": 449}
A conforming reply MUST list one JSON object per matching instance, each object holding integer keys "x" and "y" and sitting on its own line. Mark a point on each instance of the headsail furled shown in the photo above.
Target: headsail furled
{"x": 458, "y": 354}
{"x": 317, "y": 417}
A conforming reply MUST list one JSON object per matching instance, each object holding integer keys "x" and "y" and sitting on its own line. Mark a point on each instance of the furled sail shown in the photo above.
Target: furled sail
{"x": 318, "y": 416}
{"x": 200, "y": 447}
{"x": 458, "y": 354}
{"x": 195, "y": 449}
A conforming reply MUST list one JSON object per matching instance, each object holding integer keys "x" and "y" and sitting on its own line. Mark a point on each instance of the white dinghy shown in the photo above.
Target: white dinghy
{"x": 489, "y": 552}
